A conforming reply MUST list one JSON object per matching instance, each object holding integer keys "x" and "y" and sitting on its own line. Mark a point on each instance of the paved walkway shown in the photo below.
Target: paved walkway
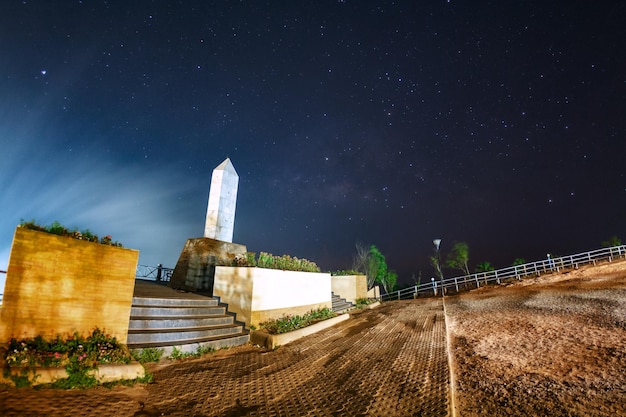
{"x": 390, "y": 361}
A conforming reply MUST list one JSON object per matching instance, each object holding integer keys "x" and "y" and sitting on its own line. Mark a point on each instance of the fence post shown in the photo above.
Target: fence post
{"x": 456, "y": 284}
{"x": 434, "y": 286}
{"x": 477, "y": 282}
{"x": 497, "y": 277}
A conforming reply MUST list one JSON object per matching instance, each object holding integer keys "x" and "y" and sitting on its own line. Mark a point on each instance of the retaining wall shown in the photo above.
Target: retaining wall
{"x": 259, "y": 294}
{"x": 61, "y": 285}
{"x": 350, "y": 287}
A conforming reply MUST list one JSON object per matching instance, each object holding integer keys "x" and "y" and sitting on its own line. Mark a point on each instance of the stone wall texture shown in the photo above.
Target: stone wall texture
{"x": 195, "y": 268}
{"x": 61, "y": 285}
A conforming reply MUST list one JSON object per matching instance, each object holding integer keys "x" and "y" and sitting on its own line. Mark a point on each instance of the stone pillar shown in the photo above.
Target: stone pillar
{"x": 220, "y": 215}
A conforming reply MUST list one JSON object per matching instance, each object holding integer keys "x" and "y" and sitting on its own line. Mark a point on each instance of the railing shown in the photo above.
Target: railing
{"x": 154, "y": 273}
{"x": 517, "y": 272}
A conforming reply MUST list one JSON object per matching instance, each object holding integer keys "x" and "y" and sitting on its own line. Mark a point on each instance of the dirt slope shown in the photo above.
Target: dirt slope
{"x": 553, "y": 345}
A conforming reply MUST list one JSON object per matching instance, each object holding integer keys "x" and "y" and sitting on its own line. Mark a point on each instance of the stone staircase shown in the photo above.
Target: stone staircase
{"x": 186, "y": 323}
{"x": 340, "y": 305}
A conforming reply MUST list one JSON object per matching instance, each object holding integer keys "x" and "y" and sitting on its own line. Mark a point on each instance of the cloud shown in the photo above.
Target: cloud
{"x": 151, "y": 210}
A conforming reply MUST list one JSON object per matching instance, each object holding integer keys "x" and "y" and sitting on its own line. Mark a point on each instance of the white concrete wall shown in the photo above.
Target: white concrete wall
{"x": 259, "y": 294}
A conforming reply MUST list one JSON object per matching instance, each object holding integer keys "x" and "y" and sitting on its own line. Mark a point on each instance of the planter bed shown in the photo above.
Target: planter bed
{"x": 271, "y": 341}
{"x": 104, "y": 373}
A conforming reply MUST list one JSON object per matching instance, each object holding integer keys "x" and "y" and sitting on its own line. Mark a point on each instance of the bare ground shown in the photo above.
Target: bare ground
{"x": 553, "y": 345}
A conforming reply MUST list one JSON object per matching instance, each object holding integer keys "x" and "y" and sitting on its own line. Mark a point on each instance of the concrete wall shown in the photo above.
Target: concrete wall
{"x": 61, "y": 285}
{"x": 374, "y": 292}
{"x": 259, "y": 294}
{"x": 350, "y": 287}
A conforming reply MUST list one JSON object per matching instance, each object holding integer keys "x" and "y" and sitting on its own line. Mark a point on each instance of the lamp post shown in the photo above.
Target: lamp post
{"x": 437, "y": 243}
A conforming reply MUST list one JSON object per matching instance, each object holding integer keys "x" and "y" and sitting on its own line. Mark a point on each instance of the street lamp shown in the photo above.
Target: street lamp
{"x": 437, "y": 243}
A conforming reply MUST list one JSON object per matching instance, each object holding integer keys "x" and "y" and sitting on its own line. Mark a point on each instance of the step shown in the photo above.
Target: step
{"x": 158, "y": 311}
{"x": 192, "y": 346}
{"x": 167, "y": 323}
{"x": 174, "y": 302}
{"x": 181, "y": 336}
{"x": 339, "y": 304}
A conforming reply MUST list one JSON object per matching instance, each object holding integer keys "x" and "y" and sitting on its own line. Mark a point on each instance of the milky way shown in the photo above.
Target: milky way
{"x": 386, "y": 123}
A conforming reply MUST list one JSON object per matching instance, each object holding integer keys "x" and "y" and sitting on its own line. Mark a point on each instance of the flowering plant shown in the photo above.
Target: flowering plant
{"x": 97, "y": 348}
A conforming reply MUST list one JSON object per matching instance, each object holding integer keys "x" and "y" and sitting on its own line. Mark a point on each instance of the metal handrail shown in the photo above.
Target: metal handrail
{"x": 157, "y": 273}
{"x": 467, "y": 282}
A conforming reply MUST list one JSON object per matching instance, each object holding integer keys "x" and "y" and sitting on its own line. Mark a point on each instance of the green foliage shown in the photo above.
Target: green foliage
{"x": 378, "y": 264}
{"x": 290, "y": 323}
{"x": 391, "y": 280}
{"x": 484, "y": 267}
{"x": 362, "y": 302}
{"x": 22, "y": 380}
{"x": 203, "y": 350}
{"x": 79, "y": 355}
{"x": 177, "y": 353}
{"x": 147, "y": 355}
{"x": 147, "y": 378}
{"x": 57, "y": 229}
{"x": 78, "y": 376}
{"x": 458, "y": 257}
{"x": 518, "y": 261}
{"x": 345, "y": 272}
{"x": 284, "y": 262}
{"x": 612, "y": 241}
{"x": 97, "y": 348}
{"x": 379, "y": 269}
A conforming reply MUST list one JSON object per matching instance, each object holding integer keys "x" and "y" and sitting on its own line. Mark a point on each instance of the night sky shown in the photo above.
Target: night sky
{"x": 501, "y": 124}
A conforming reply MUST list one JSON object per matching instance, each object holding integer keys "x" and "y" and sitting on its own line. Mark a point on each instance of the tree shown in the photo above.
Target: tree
{"x": 612, "y": 241}
{"x": 361, "y": 263}
{"x": 389, "y": 281}
{"x": 459, "y": 257}
{"x": 373, "y": 264}
{"x": 377, "y": 265}
{"x": 519, "y": 261}
{"x": 484, "y": 267}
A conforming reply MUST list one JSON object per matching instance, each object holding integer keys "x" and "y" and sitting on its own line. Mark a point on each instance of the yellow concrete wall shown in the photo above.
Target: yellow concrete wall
{"x": 350, "y": 287}
{"x": 374, "y": 292}
{"x": 259, "y": 294}
{"x": 61, "y": 285}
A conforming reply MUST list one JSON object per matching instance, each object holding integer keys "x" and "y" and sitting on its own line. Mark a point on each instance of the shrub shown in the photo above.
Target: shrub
{"x": 269, "y": 261}
{"x": 78, "y": 354}
{"x": 57, "y": 229}
{"x": 346, "y": 272}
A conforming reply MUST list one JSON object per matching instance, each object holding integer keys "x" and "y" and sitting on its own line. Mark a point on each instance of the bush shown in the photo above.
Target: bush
{"x": 57, "y": 229}
{"x": 77, "y": 354}
{"x": 269, "y": 261}
{"x": 346, "y": 272}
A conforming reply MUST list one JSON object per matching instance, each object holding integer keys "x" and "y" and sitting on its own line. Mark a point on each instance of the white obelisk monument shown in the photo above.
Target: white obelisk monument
{"x": 220, "y": 214}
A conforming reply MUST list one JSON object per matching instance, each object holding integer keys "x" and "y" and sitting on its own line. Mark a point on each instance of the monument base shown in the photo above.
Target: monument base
{"x": 195, "y": 269}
